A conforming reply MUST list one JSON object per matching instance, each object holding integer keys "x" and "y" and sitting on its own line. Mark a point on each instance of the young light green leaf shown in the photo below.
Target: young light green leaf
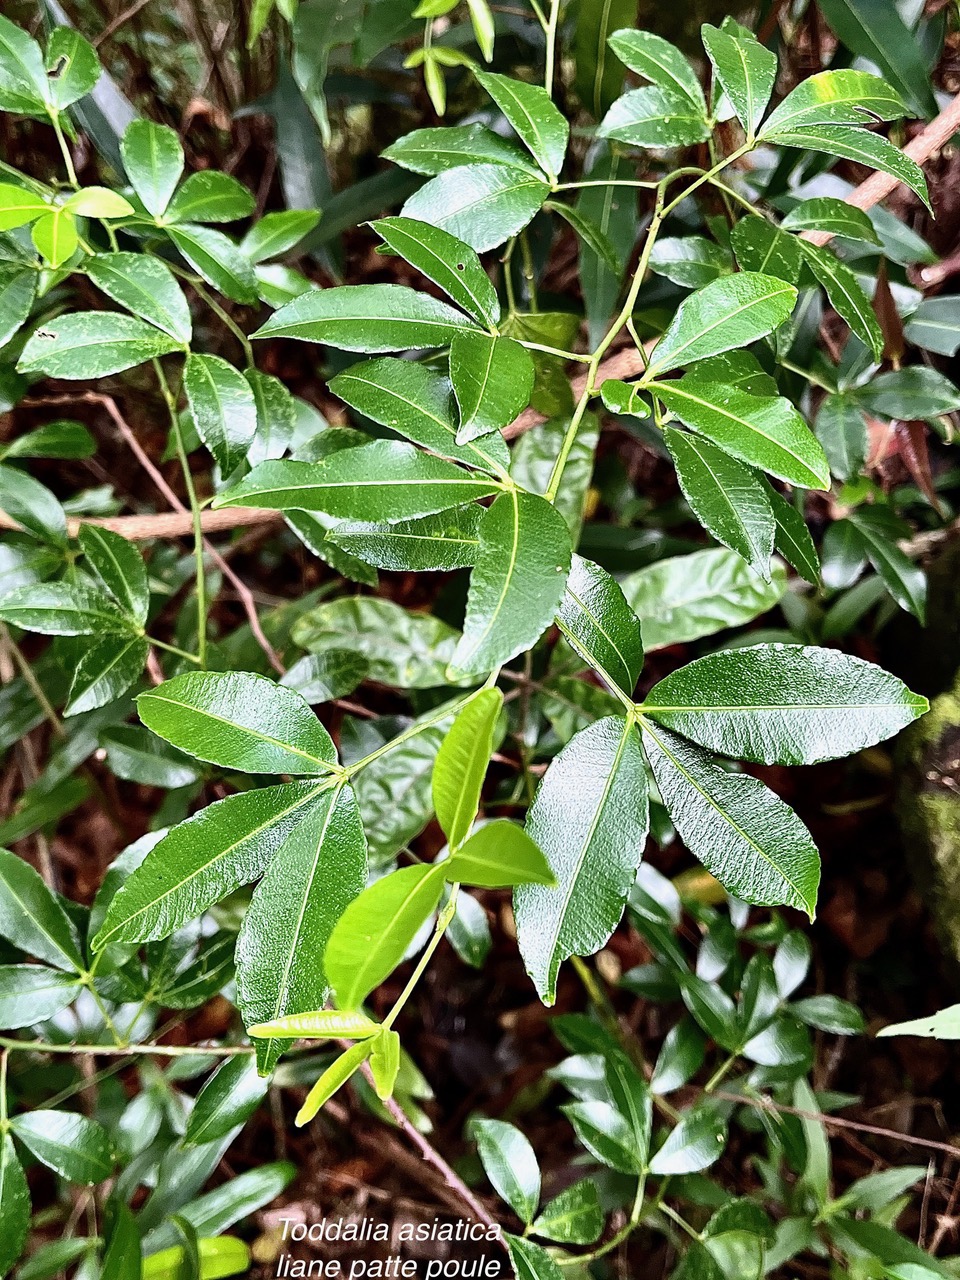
{"x": 461, "y": 764}
{"x": 447, "y": 261}
{"x": 783, "y": 704}
{"x": 32, "y": 993}
{"x": 367, "y": 317}
{"x": 884, "y": 38}
{"x": 481, "y": 204}
{"x": 334, "y": 1078}
{"x": 600, "y": 625}
{"x": 745, "y": 69}
{"x": 541, "y": 127}
{"x": 119, "y": 567}
{"x": 318, "y": 871}
{"x": 385, "y": 1063}
{"x": 516, "y": 584}
{"x": 239, "y": 720}
{"x": 229, "y": 1097}
{"x": 385, "y": 480}
{"x": 510, "y": 1164}
{"x": 492, "y": 379}
{"x": 14, "y": 1191}
{"x": 98, "y": 202}
{"x": 753, "y": 843}
{"x": 226, "y": 845}
{"x": 77, "y": 1148}
{"x": 145, "y": 286}
{"x": 662, "y": 63}
{"x": 61, "y": 439}
{"x": 572, "y": 1217}
{"x": 725, "y": 315}
{"x": 60, "y": 609}
{"x": 209, "y": 196}
{"x": 655, "y": 117}
{"x": 93, "y": 344}
{"x": 322, "y": 1024}
{"x": 153, "y": 158}
{"x": 498, "y": 856}
{"x": 943, "y": 1025}
{"x": 55, "y": 236}
{"x": 590, "y": 820}
{"x": 222, "y": 408}
{"x": 845, "y": 294}
{"x": 373, "y": 934}
{"x": 448, "y": 540}
{"x": 727, "y": 498}
{"x": 18, "y": 206}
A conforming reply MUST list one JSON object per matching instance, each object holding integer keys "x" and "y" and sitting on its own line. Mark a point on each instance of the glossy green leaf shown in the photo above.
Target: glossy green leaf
{"x": 535, "y": 455}
{"x": 277, "y": 233}
{"x": 914, "y": 392}
{"x": 119, "y": 567}
{"x": 842, "y": 97}
{"x": 321, "y": 1024}
{"x": 209, "y": 196}
{"x": 655, "y": 117}
{"x": 695, "y": 1143}
{"x": 572, "y": 1217}
{"x": 599, "y": 77}
{"x": 510, "y": 1164}
{"x": 93, "y": 344}
{"x": 760, "y": 246}
{"x": 318, "y": 871}
{"x": 831, "y": 1014}
{"x": 18, "y": 288}
{"x": 145, "y": 286}
{"x": 153, "y": 159}
{"x": 745, "y": 69}
{"x": 935, "y": 325}
{"x": 222, "y": 408}
{"x": 276, "y": 416}
{"x": 448, "y": 540}
{"x": 14, "y": 1192}
{"x": 690, "y": 261}
{"x": 122, "y": 1256}
{"x": 842, "y": 430}
{"x": 827, "y": 213}
{"x": 481, "y": 204}
{"x": 197, "y": 863}
{"x": 492, "y": 379}
{"x": 784, "y": 704}
{"x": 416, "y": 402}
{"x": 139, "y": 756}
{"x": 792, "y": 539}
{"x": 498, "y": 856}
{"x": 590, "y": 820}
{"x": 59, "y": 609}
{"x": 469, "y": 931}
{"x": 541, "y": 127}
{"x": 530, "y": 1261}
{"x": 229, "y": 1098}
{"x": 743, "y": 834}
{"x": 763, "y": 431}
{"x": 55, "y": 236}
{"x": 239, "y": 720}
{"x": 334, "y": 1078}
{"x": 680, "y": 1058}
{"x": 723, "y": 316}
{"x": 599, "y": 623}
{"x": 654, "y": 58}
{"x": 32, "y": 993}
{"x": 606, "y": 1135}
{"x": 217, "y": 259}
{"x": 846, "y": 296}
{"x": 33, "y": 506}
{"x": 19, "y": 206}
{"x": 861, "y": 145}
{"x": 105, "y": 672}
{"x": 23, "y": 79}
{"x": 447, "y": 261}
{"x": 516, "y": 584}
{"x": 905, "y": 581}
{"x": 433, "y": 151}
{"x": 367, "y": 317}
{"x": 98, "y": 202}
{"x": 881, "y": 35}
{"x": 461, "y": 764}
{"x": 323, "y": 676}
{"x": 72, "y": 1145}
{"x": 62, "y": 439}
{"x": 727, "y": 498}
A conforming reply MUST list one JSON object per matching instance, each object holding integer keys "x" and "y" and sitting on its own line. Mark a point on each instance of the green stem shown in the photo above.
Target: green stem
{"x": 529, "y": 274}
{"x": 443, "y": 921}
{"x": 551, "y": 33}
{"x": 4, "y": 1057}
{"x": 605, "y": 182}
{"x": 719, "y": 1074}
{"x": 681, "y": 1222}
{"x": 172, "y": 648}
{"x": 128, "y": 1050}
{"x": 64, "y": 149}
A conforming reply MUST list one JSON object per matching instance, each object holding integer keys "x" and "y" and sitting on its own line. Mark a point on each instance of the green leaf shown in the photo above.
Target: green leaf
{"x": 687, "y": 597}
{"x": 727, "y": 498}
{"x": 335, "y": 1076}
{"x": 598, "y": 78}
{"x": 402, "y": 649}
{"x": 385, "y": 480}
{"x": 680, "y": 1058}
{"x": 461, "y": 764}
{"x": 33, "y": 506}
{"x": 229, "y": 1097}
{"x": 760, "y": 246}
{"x": 278, "y": 233}
{"x": 831, "y": 1014}
{"x": 842, "y": 430}
{"x": 23, "y": 78}
{"x": 59, "y": 609}
{"x": 434, "y": 151}
{"x": 226, "y": 845}
{"x": 914, "y": 392}
{"x": 322, "y": 677}
{"x": 492, "y": 379}
{"x": 77, "y": 1148}
{"x": 530, "y": 1261}
{"x": 105, "y": 672}
{"x": 843, "y": 97}
{"x": 745, "y": 69}
{"x": 856, "y": 144}
{"x": 469, "y": 931}
{"x": 385, "y": 1063}
{"x": 239, "y": 720}
{"x": 694, "y": 1144}
{"x": 145, "y": 286}
{"x": 510, "y": 1164}
{"x": 122, "y": 1256}
{"x": 690, "y": 261}
{"x": 763, "y": 431}
{"x": 783, "y": 704}
{"x": 367, "y": 317}
{"x": 447, "y": 261}
{"x": 725, "y": 315}
{"x": 416, "y": 402}
{"x": 320, "y": 1024}
{"x": 73, "y": 67}
{"x": 19, "y": 206}
{"x": 92, "y": 344}
{"x": 153, "y": 159}
{"x": 905, "y": 581}
{"x": 498, "y": 856}
{"x": 541, "y": 127}
{"x": 612, "y": 211}
{"x": 845, "y": 295}
{"x": 744, "y": 835}
{"x": 943, "y": 1025}
{"x": 600, "y": 625}
{"x": 373, "y": 934}
{"x": 316, "y": 874}
{"x": 481, "y": 204}
{"x": 516, "y": 584}
{"x": 135, "y": 754}
{"x": 98, "y": 202}
{"x": 222, "y": 409}
{"x": 55, "y": 236}
{"x": 276, "y": 416}
{"x": 655, "y": 59}
{"x": 448, "y": 540}
{"x": 217, "y": 259}
{"x": 209, "y": 196}
{"x": 882, "y": 36}
{"x": 655, "y": 117}
{"x": 32, "y": 993}
{"x": 18, "y": 290}
{"x": 590, "y": 820}
{"x": 62, "y": 439}
{"x": 827, "y": 213}
{"x": 935, "y": 326}
{"x": 572, "y": 1217}
{"x": 792, "y": 538}
{"x": 119, "y": 567}
{"x": 14, "y": 1192}
{"x": 606, "y": 1135}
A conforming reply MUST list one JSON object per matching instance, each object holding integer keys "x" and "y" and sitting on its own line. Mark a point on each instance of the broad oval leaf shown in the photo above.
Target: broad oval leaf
{"x": 746, "y": 70}
{"x": 119, "y": 566}
{"x": 32, "y": 993}
{"x": 531, "y": 1261}
{"x": 145, "y": 286}
{"x": 529, "y": 108}
{"x": 222, "y": 408}
{"x": 481, "y": 204}
{"x": 493, "y": 380}
{"x": 445, "y": 541}
{"x": 837, "y": 97}
{"x": 367, "y": 317}
{"x": 510, "y": 1163}
{"x": 461, "y": 764}
{"x": 217, "y": 259}
{"x": 61, "y": 609}
{"x": 92, "y": 344}
{"x": 433, "y": 151}
{"x": 153, "y": 158}
{"x": 695, "y": 1143}
{"x": 74, "y": 1146}
{"x": 655, "y": 117}
{"x": 210, "y": 196}
{"x": 657, "y": 60}
{"x": 572, "y": 1217}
